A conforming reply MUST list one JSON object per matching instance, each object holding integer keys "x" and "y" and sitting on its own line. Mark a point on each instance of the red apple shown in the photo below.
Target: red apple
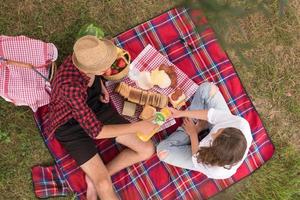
{"x": 114, "y": 71}
{"x": 107, "y": 72}
{"x": 121, "y": 63}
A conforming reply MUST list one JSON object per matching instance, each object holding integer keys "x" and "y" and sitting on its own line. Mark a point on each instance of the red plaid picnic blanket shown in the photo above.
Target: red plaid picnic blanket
{"x": 201, "y": 58}
{"x": 23, "y": 86}
{"x": 148, "y": 60}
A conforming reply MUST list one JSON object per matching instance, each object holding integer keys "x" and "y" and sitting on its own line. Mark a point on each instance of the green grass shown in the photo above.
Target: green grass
{"x": 271, "y": 79}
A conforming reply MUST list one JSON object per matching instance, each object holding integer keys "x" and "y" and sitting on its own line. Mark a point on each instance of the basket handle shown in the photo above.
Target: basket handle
{"x": 125, "y": 55}
{"x": 53, "y": 70}
{"x": 21, "y": 64}
{"x": 26, "y": 65}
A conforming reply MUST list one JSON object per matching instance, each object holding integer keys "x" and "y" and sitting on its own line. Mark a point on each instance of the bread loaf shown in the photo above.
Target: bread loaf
{"x": 142, "y": 97}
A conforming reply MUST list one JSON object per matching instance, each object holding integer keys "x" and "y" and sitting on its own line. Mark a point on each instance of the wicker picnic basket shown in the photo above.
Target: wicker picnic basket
{"x": 126, "y": 57}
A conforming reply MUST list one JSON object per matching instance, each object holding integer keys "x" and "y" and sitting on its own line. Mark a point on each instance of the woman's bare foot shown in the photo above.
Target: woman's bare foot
{"x": 91, "y": 193}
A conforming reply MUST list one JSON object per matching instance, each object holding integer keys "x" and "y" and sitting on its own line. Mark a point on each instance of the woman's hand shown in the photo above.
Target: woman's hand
{"x": 104, "y": 97}
{"x": 190, "y": 127}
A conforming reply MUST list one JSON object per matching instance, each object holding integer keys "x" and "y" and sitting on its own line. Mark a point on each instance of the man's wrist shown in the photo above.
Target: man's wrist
{"x": 181, "y": 113}
{"x": 133, "y": 126}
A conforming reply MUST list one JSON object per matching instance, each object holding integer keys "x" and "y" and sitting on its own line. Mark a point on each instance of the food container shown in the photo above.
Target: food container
{"x": 126, "y": 57}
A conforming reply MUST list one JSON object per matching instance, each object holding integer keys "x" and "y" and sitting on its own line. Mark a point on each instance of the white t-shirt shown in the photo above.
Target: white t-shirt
{"x": 222, "y": 119}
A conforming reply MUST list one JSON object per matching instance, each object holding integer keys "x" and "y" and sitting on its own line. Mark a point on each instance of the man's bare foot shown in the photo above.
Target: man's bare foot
{"x": 91, "y": 193}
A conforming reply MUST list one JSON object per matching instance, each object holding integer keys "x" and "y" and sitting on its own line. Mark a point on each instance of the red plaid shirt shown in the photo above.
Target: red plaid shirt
{"x": 68, "y": 100}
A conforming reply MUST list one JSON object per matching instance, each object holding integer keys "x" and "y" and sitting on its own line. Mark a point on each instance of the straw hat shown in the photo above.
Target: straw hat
{"x": 92, "y": 55}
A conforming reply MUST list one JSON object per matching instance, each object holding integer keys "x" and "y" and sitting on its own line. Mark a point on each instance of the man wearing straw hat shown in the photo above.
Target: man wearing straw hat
{"x": 80, "y": 112}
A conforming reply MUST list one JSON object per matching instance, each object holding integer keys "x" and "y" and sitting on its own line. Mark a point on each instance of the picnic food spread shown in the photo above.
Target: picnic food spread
{"x": 150, "y": 88}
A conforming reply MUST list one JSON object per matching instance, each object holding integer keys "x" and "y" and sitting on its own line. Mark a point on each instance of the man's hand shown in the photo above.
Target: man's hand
{"x": 176, "y": 113}
{"x": 104, "y": 97}
{"x": 189, "y": 126}
{"x": 146, "y": 126}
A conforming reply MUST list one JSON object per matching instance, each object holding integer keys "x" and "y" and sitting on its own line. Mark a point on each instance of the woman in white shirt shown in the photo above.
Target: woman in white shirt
{"x": 219, "y": 154}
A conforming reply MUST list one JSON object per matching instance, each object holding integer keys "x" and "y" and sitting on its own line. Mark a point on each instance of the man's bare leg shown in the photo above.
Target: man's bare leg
{"x": 137, "y": 151}
{"x": 91, "y": 192}
{"x": 97, "y": 172}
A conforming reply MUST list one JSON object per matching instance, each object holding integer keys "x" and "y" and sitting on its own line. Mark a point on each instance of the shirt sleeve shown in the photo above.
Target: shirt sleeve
{"x": 215, "y": 116}
{"x": 74, "y": 95}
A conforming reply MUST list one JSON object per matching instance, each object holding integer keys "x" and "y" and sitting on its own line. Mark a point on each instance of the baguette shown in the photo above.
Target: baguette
{"x": 142, "y": 97}
{"x": 134, "y": 95}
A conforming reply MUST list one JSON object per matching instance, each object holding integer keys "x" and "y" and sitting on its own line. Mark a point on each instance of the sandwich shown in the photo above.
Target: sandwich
{"x": 177, "y": 98}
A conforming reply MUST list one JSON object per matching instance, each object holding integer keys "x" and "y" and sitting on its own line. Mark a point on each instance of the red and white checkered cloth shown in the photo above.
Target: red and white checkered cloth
{"x": 148, "y": 60}
{"x": 23, "y": 86}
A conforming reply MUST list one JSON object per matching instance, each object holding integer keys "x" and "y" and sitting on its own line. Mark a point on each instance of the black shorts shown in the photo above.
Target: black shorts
{"x": 77, "y": 142}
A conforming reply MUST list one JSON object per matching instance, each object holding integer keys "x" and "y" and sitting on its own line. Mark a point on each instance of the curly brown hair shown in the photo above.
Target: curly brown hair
{"x": 227, "y": 149}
